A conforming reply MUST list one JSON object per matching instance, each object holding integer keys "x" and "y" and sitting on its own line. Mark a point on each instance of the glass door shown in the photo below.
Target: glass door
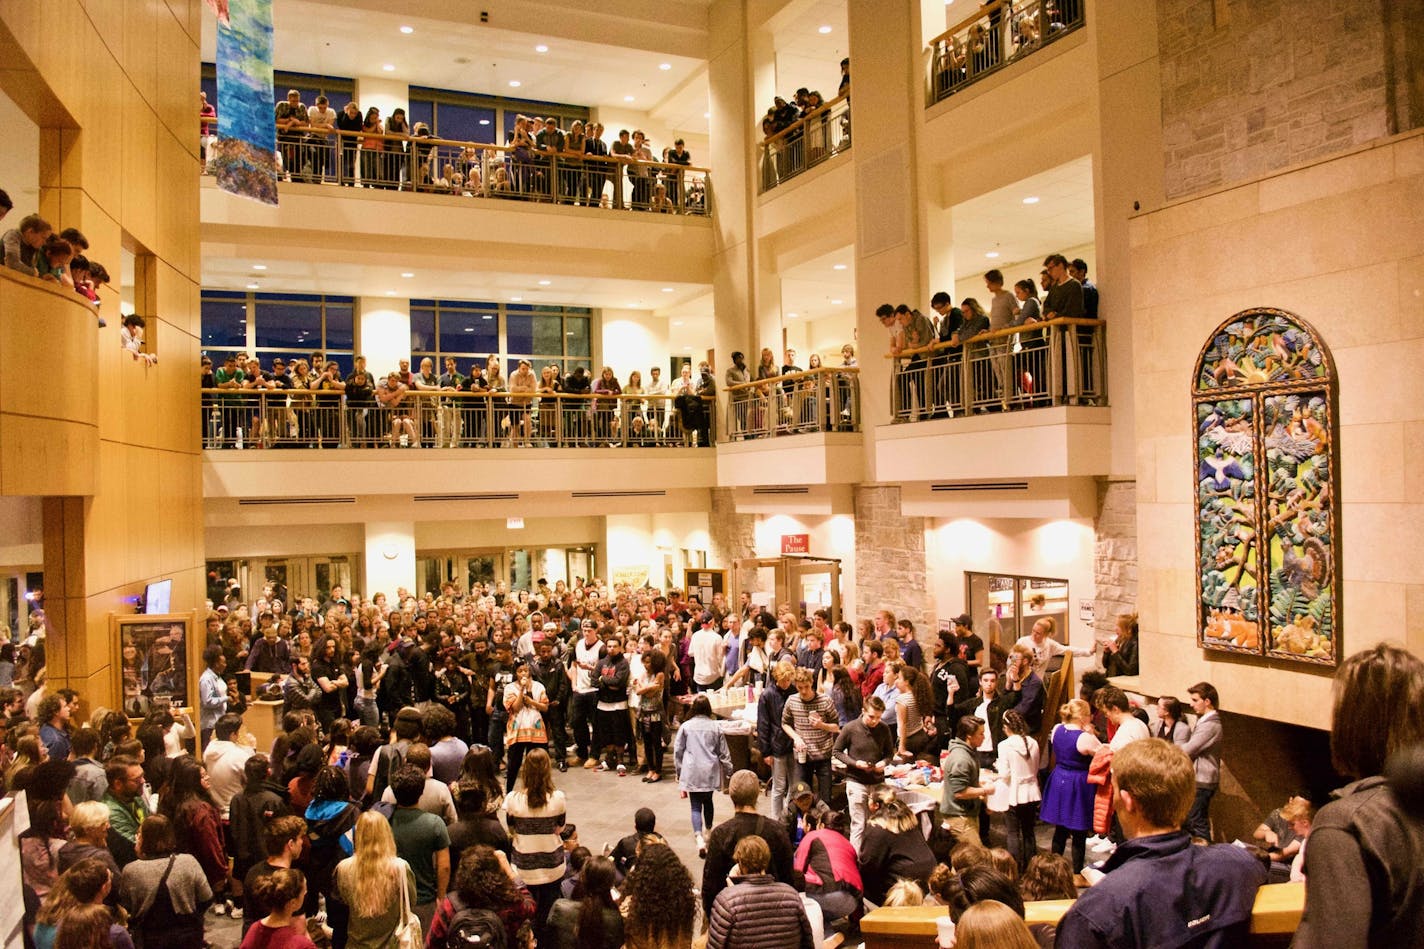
{"x": 282, "y": 576}
{"x": 1039, "y": 598}
{"x": 1005, "y": 606}
{"x": 520, "y": 575}
{"x": 481, "y": 569}
{"x": 328, "y": 572}
{"x": 580, "y": 564}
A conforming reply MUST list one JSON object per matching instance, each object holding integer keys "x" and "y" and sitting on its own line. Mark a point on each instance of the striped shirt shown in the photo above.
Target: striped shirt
{"x": 538, "y": 851}
{"x": 797, "y": 714}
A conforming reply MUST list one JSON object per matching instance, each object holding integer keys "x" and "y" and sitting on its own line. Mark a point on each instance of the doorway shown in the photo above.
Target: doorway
{"x": 1009, "y": 605}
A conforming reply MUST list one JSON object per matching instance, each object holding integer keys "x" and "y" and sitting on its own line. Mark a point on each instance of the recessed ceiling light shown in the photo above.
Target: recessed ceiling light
{"x": 251, "y": 286}
{"x": 687, "y": 349}
{"x": 389, "y": 67}
{"x": 516, "y": 299}
{"x": 664, "y": 66}
{"x": 792, "y": 316}
{"x": 992, "y": 254}
{"x": 667, "y": 290}
{"x": 541, "y": 48}
{"x": 837, "y": 302}
{"x": 390, "y": 293}
{"x": 569, "y": 333}
{"x": 677, "y": 322}
{"x": 635, "y": 304}
{"x": 514, "y": 83}
{"x": 627, "y": 98}
{"x": 824, "y": 30}
{"x": 707, "y": 115}
{"x": 407, "y": 275}
{"x": 407, "y": 30}
{"x": 838, "y": 266}
{"x": 545, "y": 283}
{"x": 259, "y": 266}
{"x": 1031, "y": 199}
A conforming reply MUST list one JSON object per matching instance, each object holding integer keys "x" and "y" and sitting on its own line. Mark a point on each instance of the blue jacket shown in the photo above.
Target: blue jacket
{"x": 1163, "y": 891}
{"x": 701, "y": 756}
{"x": 770, "y": 738}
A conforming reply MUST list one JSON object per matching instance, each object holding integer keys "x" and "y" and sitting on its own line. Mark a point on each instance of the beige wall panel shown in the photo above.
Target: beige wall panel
{"x": 178, "y": 71}
{"x": 46, "y": 326}
{"x": 178, "y": 305}
{"x": 180, "y": 508}
{"x": 1375, "y": 469}
{"x": 138, "y": 165}
{"x": 140, "y": 57}
{"x": 109, "y": 22}
{"x": 1412, "y": 632}
{"x": 174, "y": 164}
{"x": 46, "y": 456}
{"x": 1413, "y": 435}
{"x": 1411, "y": 297}
{"x": 100, "y": 145}
{"x": 104, "y": 537}
{"x": 1368, "y": 394}
{"x": 97, "y": 689}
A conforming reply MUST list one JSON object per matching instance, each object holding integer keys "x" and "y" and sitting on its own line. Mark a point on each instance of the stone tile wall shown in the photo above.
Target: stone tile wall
{"x": 892, "y": 571}
{"x": 1114, "y": 555}
{"x": 732, "y": 536}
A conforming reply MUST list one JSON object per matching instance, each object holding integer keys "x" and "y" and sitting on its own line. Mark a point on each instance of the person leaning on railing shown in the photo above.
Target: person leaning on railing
{"x": 350, "y": 122}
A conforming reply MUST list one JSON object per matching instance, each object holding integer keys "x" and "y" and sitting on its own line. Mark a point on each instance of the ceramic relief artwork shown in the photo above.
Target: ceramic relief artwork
{"x": 1267, "y": 529}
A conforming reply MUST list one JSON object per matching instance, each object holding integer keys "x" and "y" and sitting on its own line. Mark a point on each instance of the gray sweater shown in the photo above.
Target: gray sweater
{"x": 187, "y": 884}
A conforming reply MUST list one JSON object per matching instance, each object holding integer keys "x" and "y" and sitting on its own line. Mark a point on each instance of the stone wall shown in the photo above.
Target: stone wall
{"x": 1251, "y": 86}
{"x": 892, "y": 572}
{"x": 1114, "y": 555}
{"x": 732, "y": 536}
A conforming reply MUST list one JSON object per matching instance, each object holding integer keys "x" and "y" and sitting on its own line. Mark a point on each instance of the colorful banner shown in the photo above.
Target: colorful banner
{"x": 245, "y": 155}
{"x": 219, "y": 8}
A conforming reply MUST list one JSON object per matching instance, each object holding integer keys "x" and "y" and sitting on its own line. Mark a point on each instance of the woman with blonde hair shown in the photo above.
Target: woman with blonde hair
{"x": 369, "y": 882}
{"x": 992, "y": 925}
{"x": 1068, "y": 797}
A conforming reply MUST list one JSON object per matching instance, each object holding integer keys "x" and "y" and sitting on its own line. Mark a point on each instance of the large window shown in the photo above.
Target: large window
{"x": 274, "y": 324}
{"x": 337, "y": 89}
{"x": 472, "y": 330}
{"x": 470, "y": 117}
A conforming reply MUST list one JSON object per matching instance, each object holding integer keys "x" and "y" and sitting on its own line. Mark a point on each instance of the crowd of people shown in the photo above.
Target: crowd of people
{"x": 317, "y": 405}
{"x": 1005, "y": 371}
{"x": 800, "y": 133}
{"x": 540, "y": 160}
{"x": 412, "y": 792}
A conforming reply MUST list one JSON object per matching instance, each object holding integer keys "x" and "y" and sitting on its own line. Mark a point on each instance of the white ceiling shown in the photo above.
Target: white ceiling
{"x": 809, "y": 290}
{"x": 804, "y": 55}
{"x": 330, "y": 40}
{"x": 999, "y": 221}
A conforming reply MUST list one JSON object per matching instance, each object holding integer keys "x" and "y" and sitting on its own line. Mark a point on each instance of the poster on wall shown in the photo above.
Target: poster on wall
{"x": 635, "y": 576}
{"x": 1266, "y": 524}
{"x": 244, "y": 157}
{"x": 153, "y": 662}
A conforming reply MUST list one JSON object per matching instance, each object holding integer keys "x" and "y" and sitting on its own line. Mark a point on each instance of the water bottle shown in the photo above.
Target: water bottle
{"x": 239, "y": 438}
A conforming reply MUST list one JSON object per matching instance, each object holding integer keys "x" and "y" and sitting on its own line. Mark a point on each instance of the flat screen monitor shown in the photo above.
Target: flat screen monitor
{"x": 156, "y": 596}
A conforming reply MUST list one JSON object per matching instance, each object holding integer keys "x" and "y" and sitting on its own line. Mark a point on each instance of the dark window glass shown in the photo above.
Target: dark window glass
{"x": 468, "y": 331}
{"x": 548, "y": 335}
{"x": 461, "y": 123}
{"x": 224, "y": 323}
{"x": 519, "y": 330}
{"x": 576, "y": 336}
{"x": 340, "y": 324}
{"x": 422, "y": 329}
{"x": 288, "y": 325}
{"x": 422, "y": 110}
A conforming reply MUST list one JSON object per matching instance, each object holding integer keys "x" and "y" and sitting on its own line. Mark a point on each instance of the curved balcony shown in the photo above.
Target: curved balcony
{"x": 819, "y": 400}
{"x": 997, "y": 36}
{"x": 49, "y": 428}
{"x": 805, "y": 144}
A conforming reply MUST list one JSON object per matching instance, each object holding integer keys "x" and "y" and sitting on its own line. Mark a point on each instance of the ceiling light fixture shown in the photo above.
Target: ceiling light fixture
{"x": 792, "y": 316}
{"x": 837, "y": 302}
{"x": 390, "y": 293}
{"x": 667, "y": 289}
{"x": 514, "y": 83}
{"x": 487, "y": 316}
{"x": 516, "y": 299}
{"x": 484, "y": 121}
{"x": 992, "y": 255}
{"x": 627, "y": 98}
{"x": 259, "y": 266}
{"x": 251, "y": 286}
{"x": 1031, "y": 199}
{"x": 407, "y": 30}
{"x": 664, "y": 66}
{"x": 687, "y": 349}
{"x": 677, "y": 322}
{"x": 824, "y": 30}
{"x": 545, "y": 283}
{"x": 469, "y": 329}
{"x": 838, "y": 266}
{"x": 541, "y": 48}
{"x": 707, "y": 115}
{"x": 407, "y": 275}
{"x": 388, "y": 67}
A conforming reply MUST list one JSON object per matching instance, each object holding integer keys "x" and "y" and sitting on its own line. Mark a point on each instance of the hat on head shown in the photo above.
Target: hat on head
{"x": 802, "y": 789}
{"x": 964, "y": 619}
{"x": 536, "y": 638}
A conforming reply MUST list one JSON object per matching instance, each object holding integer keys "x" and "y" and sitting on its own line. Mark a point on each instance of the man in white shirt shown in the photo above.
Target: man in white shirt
{"x": 587, "y": 652}
{"x": 436, "y": 798}
{"x": 225, "y": 758}
{"x": 707, "y": 650}
{"x": 1044, "y": 647}
{"x": 1113, "y": 701}
{"x": 323, "y": 146}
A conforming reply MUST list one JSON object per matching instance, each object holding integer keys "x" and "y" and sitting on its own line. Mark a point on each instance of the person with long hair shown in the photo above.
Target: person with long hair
{"x": 1068, "y": 797}
{"x": 893, "y": 847}
{"x": 915, "y": 704}
{"x": 481, "y": 770}
{"x": 592, "y": 921}
{"x": 285, "y": 891}
{"x": 1362, "y": 880}
{"x": 165, "y": 892}
{"x": 368, "y": 882}
{"x": 992, "y": 925}
{"x": 659, "y": 904}
{"x": 1171, "y": 725}
{"x": 1017, "y": 768}
{"x": 91, "y": 926}
{"x": 330, "y": 819}
{"x": 197, "y": 821}
{"x": 485, "y": 880}
{"x": 88, "y": 882}
{"x": 535, "y": 811}
{"x": 650, "y": 689}
{"x": 703, "y": 763}
{"x": 1049, "y": 876}
{"x": 845, "y": 694}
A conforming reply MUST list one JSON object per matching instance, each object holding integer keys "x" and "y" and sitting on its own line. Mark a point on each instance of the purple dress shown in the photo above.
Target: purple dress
{"x": 1068, "y": 798}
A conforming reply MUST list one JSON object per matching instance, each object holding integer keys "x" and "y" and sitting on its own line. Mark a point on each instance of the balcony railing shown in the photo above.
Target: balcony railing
{"x": 1001, "y": 33}
{"x": 241, "y": 419}
{"x": 1057, "y": 362}
{"x": 821, "y": 400}
{"x": 479, "y": 170}
{"x": 805, "y": 143}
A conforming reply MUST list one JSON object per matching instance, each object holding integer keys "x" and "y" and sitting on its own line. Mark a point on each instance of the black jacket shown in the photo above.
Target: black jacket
{"x": 249, "y": 813}
{"x": 723, "y": 841}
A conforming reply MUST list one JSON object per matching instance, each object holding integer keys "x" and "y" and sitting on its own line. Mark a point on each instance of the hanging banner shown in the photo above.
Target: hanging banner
{"x": 245, "y": 156}
{"x": 219, "y": 8}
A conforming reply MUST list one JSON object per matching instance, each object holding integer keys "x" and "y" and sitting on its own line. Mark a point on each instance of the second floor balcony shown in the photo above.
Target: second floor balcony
{"x": 820, "y": 400}
{"x": 1000, "y": 34}
{"x": 804, "y": 144}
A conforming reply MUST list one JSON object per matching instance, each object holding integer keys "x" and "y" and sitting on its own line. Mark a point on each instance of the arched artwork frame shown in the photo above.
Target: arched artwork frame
{"x": 1265, "y": 457}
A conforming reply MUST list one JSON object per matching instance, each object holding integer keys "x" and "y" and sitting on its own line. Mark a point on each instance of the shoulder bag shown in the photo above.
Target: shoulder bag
{"x": 407, "y": 934}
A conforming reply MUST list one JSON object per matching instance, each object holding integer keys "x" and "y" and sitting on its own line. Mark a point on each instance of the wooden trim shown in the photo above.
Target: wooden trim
{"x": 998, "y": 334}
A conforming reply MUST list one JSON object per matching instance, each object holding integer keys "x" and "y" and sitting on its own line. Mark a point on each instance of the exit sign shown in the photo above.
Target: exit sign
{"x": 795, "y": 543}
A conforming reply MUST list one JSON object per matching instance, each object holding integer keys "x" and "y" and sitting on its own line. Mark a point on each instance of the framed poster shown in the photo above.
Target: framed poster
{"x": 157, "y": 661}
{"x": 1265, "y": 461}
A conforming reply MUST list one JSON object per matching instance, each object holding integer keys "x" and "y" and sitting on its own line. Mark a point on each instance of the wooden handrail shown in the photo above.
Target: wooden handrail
{"x": 802, "y": 122}
{"x": 481, "y": 146}
{"x": 998, "y": 334}
{"x": 453, "y": 393}
{"x": 792, "y": 377}
{"x": 969, "y": 21}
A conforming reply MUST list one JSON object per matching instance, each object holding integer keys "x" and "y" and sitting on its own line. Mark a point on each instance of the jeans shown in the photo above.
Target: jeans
{"x": 817, "y": 774}
{"x": 1198, "y": 822}
{"x": 584, "y": 704}
{"x": 856, "y": 794}
{"x": 781, "y": 771}
{"x": 368, "y": 713}
{"x": 701, "y": 810}
{"x": 495, "y": 737}
{"x": 712, "y": 686}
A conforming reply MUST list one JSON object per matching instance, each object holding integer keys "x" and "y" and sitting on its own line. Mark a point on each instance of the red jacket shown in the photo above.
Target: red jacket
{"x": 835, "y": 850}
{"x": 1100, "y": 773}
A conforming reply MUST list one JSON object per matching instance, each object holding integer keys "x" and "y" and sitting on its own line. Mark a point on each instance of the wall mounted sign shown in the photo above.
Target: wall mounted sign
{"x": 795, "y": 543}
{"x": 1267, "y": 523}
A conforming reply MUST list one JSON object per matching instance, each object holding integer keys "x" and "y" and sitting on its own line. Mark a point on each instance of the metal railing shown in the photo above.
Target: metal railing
{"x": 478, "y": 170}
{"x": 819, "y": 400}
{"x": 1057, "y": 362}
{"x": 999, "y": 34}
{"x": 244, "y": 419}
{"x": 805, "y": 143}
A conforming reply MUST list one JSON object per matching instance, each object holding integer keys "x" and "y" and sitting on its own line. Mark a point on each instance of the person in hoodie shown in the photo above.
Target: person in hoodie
{"x": 331, "y": 825}
{"x": 261, "y": 801}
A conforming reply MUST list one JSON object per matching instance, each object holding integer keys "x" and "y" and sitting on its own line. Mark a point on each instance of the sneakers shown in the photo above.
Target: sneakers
{"x": 591, "y": 763}
{"x": 234, "y": 910}
{"x": 563, "y": 764}
{"x": 219, "y": 909}
{"x": 622, "y": 771}
{"x": 603, "y": 766}
{"x": 701, "y": 846}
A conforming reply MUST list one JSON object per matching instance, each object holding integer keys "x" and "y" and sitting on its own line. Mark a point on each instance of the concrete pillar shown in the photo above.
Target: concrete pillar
{"x": 384, "y": 332}
{"x": 390, "y": 558}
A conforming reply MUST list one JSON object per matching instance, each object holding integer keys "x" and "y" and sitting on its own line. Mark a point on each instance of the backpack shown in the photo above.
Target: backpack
{"x": 472, "y": 928}
{"x": 387, "y": 762}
